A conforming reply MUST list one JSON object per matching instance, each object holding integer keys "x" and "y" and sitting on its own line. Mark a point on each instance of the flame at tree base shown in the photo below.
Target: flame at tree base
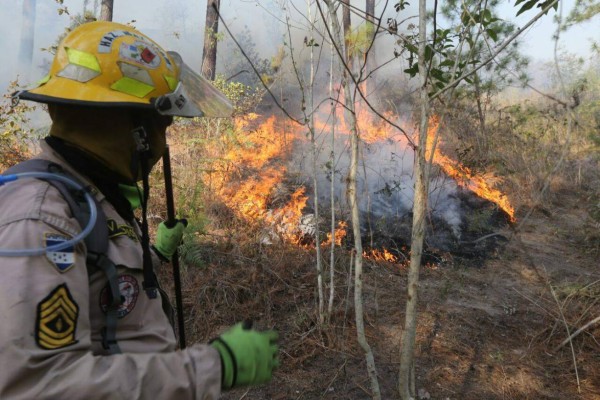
{"x": 464, "y": 177}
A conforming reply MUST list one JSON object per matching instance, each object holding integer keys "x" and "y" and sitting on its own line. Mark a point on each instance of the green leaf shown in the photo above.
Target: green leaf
{"x": 412, "y": 71}
{"x": 447, "y": 63}
{"x": 439, "y": 75}
{"x": 492, "y": 34}
{"x": 428, "y": 52}
{"x": 412, "y": 48}
{"x": 527, "y": 6}
{"x": 487, "y": 15}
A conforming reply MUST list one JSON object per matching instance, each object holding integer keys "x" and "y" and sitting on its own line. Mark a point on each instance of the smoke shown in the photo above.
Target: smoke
{"x": 385, "y": 179}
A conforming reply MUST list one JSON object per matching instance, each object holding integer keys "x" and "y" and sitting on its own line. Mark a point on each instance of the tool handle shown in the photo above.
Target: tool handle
{"x": 171, "y": 221}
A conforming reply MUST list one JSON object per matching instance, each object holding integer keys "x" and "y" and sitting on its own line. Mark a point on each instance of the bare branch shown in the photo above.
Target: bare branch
{"x": 255, "y": 70}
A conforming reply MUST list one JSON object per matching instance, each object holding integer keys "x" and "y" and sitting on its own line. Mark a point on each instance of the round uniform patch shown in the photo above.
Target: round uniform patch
{"x": 129, "y": 288}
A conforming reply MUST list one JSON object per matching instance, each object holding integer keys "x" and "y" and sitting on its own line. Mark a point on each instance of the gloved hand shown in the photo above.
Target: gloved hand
{"x": 169, "y": 238}
{"x": 248, "y": 357}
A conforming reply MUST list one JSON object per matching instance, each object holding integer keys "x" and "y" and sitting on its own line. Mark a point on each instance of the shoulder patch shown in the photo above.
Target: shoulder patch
{"x": 56, "y": 319}
{"x": 116, "y": 230}
{"x": 129, "y": 288}
{"x": 63, "y": 259}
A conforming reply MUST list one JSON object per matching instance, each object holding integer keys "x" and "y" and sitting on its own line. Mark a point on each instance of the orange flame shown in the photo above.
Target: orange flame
{"x": 381, "y": 255}
{"x": 251, "y": 171}
{"x": 340, "y": 234}
{"x": 465, "y": 177}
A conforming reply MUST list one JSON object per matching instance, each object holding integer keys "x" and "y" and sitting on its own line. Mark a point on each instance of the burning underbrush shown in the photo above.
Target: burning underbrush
{"x": 260, "y": 175}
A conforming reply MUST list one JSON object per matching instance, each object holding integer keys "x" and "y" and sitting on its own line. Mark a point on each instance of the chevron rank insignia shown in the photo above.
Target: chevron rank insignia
{"x": 62, "y": 259}
{"x": 56, "y": 319}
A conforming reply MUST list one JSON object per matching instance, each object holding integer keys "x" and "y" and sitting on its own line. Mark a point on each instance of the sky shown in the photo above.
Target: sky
{"x": 180, "y": 28}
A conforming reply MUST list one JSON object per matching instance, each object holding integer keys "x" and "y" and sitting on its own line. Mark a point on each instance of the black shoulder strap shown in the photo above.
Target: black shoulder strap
{"x": 96, "y": 242}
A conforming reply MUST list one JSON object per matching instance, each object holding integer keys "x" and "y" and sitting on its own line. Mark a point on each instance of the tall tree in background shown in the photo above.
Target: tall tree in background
{"x": 27, "y": 37}
{"x": 106, "y": 10}
{"x": 209, "y": 54}
{"x": 369, "y": 58}
{"x": 347, "y": 23}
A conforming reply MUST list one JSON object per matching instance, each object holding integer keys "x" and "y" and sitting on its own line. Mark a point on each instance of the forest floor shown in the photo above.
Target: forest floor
{"x": 489, "y": 328}
{"x": 486, "y": 330}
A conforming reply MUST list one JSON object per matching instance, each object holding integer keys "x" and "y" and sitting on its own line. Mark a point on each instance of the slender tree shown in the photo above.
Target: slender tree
{"x": 209, "y": 53}
{"x": 352, "y": 195}
{"x": 106, "y": 10}
{"x": 315, "y": 168}
{"x": 406, "y": 385}
{"x": 433, "y": 75}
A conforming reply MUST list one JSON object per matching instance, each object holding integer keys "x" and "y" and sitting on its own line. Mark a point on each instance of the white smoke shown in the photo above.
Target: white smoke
{"x": 385, "y": 180}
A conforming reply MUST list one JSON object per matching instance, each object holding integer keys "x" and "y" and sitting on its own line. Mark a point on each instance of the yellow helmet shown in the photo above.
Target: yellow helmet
{"x": 113, "y": 65}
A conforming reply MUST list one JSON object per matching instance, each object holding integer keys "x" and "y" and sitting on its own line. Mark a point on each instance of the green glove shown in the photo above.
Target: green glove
{"x": 247, "y": 356}
{"x": 169, "y": 238}
{"x": 133, "y": 195}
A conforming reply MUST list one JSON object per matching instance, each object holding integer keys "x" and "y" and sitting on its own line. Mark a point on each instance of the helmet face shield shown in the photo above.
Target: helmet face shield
{"x": 194, "y": 96}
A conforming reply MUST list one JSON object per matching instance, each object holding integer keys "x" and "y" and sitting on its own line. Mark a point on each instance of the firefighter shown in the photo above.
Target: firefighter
{"x": 111, "y": 93}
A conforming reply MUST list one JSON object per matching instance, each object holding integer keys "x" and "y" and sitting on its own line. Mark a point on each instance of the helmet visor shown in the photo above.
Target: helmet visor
{"x": 194, "y": 95}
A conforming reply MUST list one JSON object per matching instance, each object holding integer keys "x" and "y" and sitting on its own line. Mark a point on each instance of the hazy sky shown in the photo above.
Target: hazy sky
{"x": 180, "y": 27}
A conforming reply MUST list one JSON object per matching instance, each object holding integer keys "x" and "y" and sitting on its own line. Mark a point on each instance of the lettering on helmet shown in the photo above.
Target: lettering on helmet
{"x": 106, "y": 42}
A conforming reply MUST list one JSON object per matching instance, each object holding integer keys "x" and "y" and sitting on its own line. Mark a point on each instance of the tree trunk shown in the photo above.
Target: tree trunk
{"x": 406, "y": 385}
{"x": 369, "y": 58}
{"x": 333, "y": 106}
{"x": 27, "y": 38}
{"x": 106, "y": 10}
{"x": 315, "y": 167}
{"x": 346, "y": 22}
{"x": 209, "y": 54}
{"x": 353, "y": 200}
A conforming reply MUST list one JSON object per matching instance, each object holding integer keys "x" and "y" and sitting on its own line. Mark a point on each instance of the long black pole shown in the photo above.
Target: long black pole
{"x": 171, "y": 221}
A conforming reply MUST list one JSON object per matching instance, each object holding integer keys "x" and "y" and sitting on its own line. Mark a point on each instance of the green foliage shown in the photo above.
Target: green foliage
{"x": 360, "y": 39}
{"x": 468, "y": 41}
{"x": 14, "y": 130}
{"x": 583, "y": 11}
{"x": 243, "y": 97}
{"x": 529, "y": 4}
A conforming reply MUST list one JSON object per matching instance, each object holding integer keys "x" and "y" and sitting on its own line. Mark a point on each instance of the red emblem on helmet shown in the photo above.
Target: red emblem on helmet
{"x": 147, "y": 55}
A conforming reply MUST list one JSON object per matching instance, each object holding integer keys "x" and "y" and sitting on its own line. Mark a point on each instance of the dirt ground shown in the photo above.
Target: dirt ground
{"x": 487, "y": 329}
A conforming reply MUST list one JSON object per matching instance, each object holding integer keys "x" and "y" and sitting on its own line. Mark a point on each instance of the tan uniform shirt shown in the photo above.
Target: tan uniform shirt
{"x": 52, "y": 312}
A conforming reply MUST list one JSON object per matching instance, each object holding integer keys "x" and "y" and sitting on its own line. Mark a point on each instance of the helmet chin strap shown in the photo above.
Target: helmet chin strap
{"x": 141, "y": 159}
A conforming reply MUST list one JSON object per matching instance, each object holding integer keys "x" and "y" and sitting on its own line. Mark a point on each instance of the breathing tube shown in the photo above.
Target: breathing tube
{"x": 60, "y": 246}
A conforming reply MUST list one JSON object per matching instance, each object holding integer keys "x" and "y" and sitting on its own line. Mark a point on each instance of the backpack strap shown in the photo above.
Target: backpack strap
{"x": 96, "y": 242}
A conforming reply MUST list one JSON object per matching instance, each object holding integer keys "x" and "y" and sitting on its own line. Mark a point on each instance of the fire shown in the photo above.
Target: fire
{"x": 465, "y": 177}
{"x": 250, "y": 172}
{"x": 370, "y": 128}
{"x": 340, "y": 234}
{"x": 381, "y": 255}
